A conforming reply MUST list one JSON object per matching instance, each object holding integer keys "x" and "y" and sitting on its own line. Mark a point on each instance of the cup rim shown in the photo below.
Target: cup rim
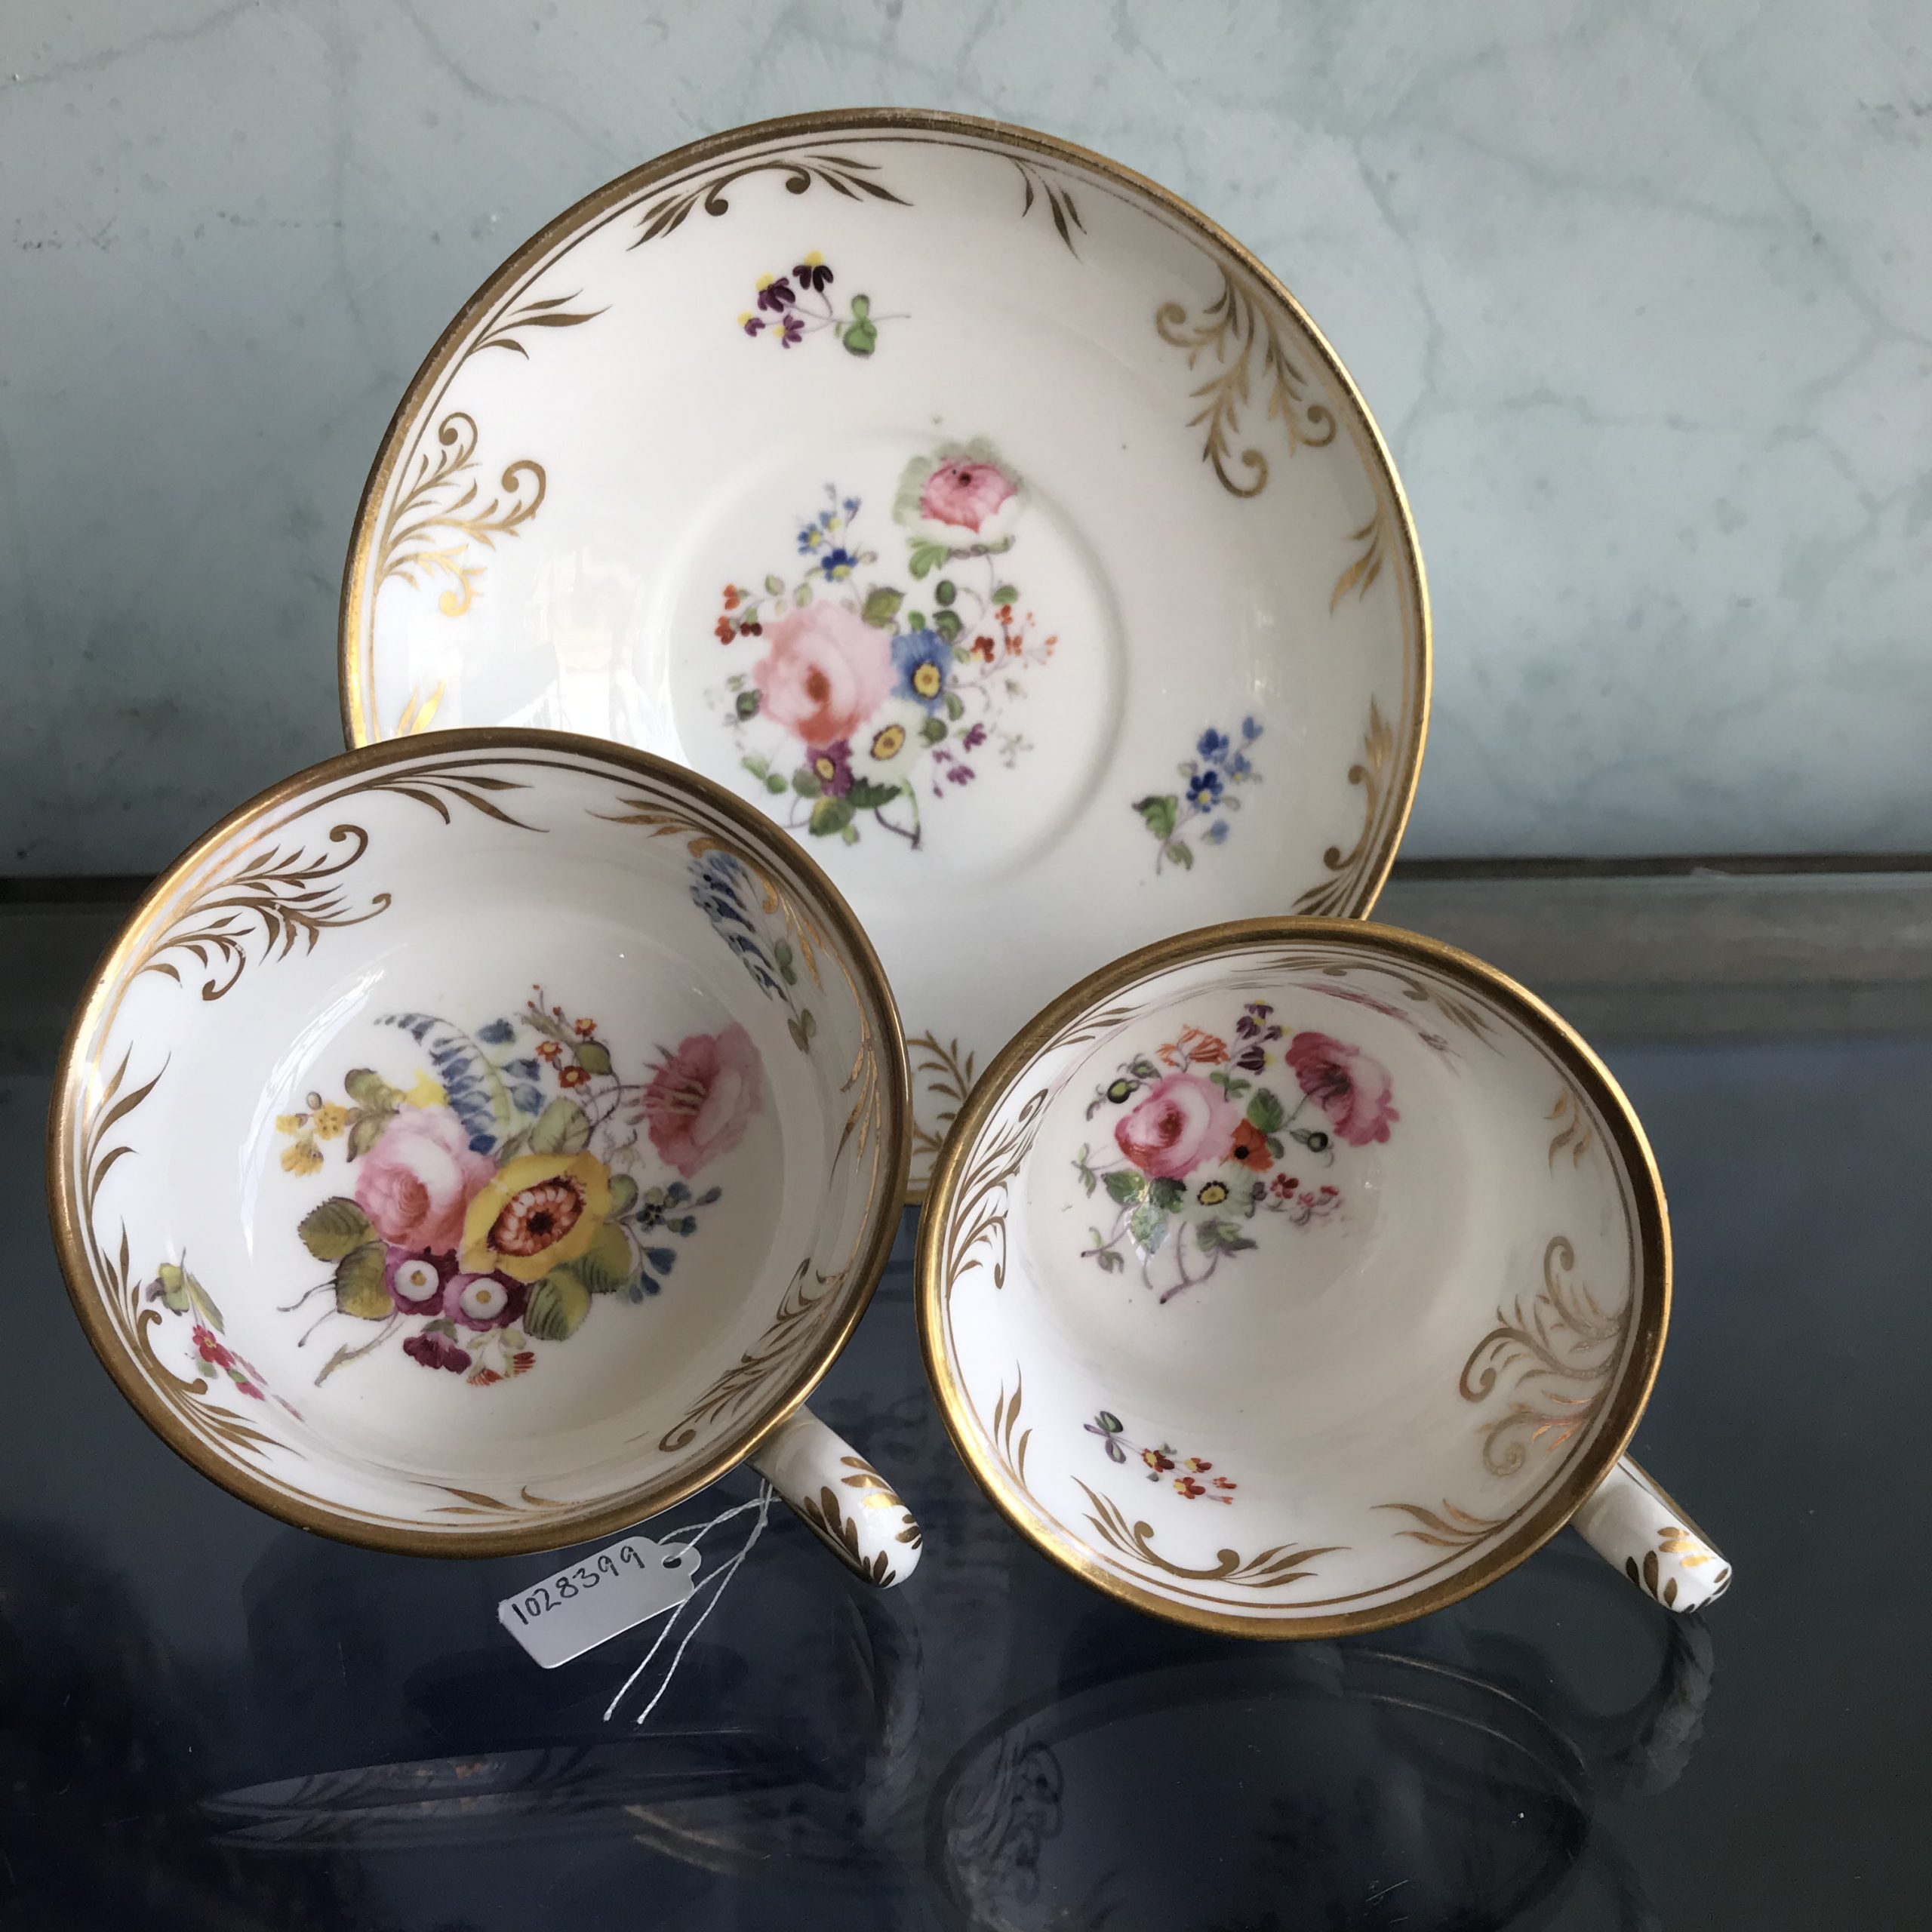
{"x": 638, "y": 1503}
{"x": 1555, "y": 1034}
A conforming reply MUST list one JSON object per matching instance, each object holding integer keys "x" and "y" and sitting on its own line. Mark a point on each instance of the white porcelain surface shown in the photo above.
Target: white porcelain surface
{"x": 1297, "y": 1278}
{"x": 478, "y": 1145}
{"x": 972, "y": 510}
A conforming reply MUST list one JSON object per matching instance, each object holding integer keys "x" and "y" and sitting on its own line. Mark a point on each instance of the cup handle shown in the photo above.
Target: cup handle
{"x": 1632, "y": 1521}
{"x": 841, "y": 1498}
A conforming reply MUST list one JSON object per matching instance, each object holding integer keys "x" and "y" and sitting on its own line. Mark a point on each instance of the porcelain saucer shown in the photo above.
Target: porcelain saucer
{"x": 976, "y": 507}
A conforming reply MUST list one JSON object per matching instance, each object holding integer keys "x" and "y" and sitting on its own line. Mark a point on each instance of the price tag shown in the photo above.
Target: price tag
{"x": 605, "y": 1594}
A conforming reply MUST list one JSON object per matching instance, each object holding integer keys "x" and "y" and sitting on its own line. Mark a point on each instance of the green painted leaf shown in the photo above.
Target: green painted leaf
{"x": 915, "y": 620}
{"x": 804, "y": 782}
{"x": 202, "y": 1302}
{"x": 831, "y": 815}
{"x": 624, "y": 1194}
{"x": 1006, "y": 594}
{"x": 1220, "y": 1238}
{"x": 748, "y": 701}
{"x": 1160, "y": 811}
{"x": 360, "y": 1289}
{"x": 850, "y": 836}
{"x": 1111, "y": 1422}
{"x": 368, "y": 1088}
{"x": 781, "y": 956}
{"x": 365, "y": 1129}
{"x": 1181, "y": 852}
{"x": 1110, "y": 1261}
{"x": 180, "y": 1293}
{"x": 947, "y": 623}
{"x": 866, "y": 796}
{"x": 860, "y": 338}
{"x": 593, "y": 1055}
{"x": 172, "y": 1283}
{"x": 561, "y": 1128}
{"x": 774, "y": 783}
{"x": 945, "y": 590}
{"x": 932, "y": 730}
{"x": 558, "y": 1304}
{"x": 955, "y": 706}
{"x": 1167, "y": 1193}
{"x": 1265, "y": 1111}
{"x": 862, "y": 307}
{"x": 924, "y": 557}
{"x": 801, "y": 1030}
{"x": 773, "y": 584}
{"x": 606, "y": 1264}
{"x": 881, "y": 606}
{"x": 755, "y": 764}
{"x": 1124, "y": 1185}
{"x": 1148, "y": 1227}
{"x": 802, "y": 596}
{"x": 330, "y": 1231}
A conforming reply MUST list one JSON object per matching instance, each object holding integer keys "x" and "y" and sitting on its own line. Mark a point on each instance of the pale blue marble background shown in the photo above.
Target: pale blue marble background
{"x": 1640, "y": 294}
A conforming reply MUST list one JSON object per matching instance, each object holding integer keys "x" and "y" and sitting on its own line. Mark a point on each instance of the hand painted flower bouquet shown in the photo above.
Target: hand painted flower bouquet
{"x": 1205, "y": 1141}
{"x": 873, "y": 693}
{"x": 489, "y": 1204}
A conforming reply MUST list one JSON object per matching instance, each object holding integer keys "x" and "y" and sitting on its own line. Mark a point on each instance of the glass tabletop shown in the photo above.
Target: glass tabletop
{"x": 208, "y": 1719}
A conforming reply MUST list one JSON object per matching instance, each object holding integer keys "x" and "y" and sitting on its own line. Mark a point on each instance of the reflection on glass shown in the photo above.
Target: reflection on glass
{"x": 395, "y": 1715}
{"x": 1328, "y": 1785}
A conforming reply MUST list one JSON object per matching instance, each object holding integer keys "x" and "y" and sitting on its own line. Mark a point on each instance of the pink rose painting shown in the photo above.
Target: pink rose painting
{"x": 416, "y": 1182}
{"x": 1350, "y": 1088}
{"x": 1183, "y": 1121}
{"x": 961, "y": 500}
{"x": 703, "y": 1096}
{"x": 827, "y": 670}
{"x": 965, "y": 494}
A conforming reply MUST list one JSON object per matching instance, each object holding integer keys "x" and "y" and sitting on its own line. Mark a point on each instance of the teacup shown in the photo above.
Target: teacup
{"x": 1296, "y": 1277}
{"x": 479, "y": 1142}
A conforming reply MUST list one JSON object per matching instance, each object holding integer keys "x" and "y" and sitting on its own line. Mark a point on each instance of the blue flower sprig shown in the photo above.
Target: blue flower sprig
{"x": 1209, "y": 780}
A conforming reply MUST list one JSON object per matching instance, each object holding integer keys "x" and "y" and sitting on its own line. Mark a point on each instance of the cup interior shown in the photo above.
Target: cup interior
{"x": 512, "y": 1131}
{"x": 1295, "y": 1279}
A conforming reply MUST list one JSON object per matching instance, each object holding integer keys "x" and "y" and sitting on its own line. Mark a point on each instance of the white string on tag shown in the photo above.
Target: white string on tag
{"x": 714, "y": 1583}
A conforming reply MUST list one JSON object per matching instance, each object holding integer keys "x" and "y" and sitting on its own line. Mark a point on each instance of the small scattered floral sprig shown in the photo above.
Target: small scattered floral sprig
{"x": 1207, "y": 791}
{"x": 1186, "y": 1471}
{"x": 790, "y": 307}
{"x": 180, "y": 1294}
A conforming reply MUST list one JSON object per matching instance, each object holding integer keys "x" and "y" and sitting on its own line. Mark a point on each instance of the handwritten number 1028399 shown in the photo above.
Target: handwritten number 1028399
{"x": 560, "y": 1590}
